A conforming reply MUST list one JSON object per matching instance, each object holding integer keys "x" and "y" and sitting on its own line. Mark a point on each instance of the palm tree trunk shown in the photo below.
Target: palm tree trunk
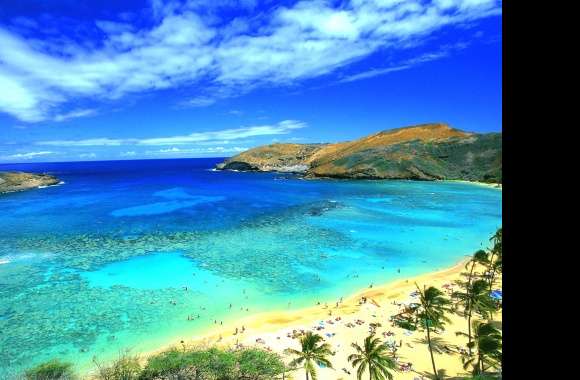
{"x": 431, "y": 351}
{"x": 469, "y": 331}
{"x": 492, "y": 271}
{"x": 491, "y": 281}
{"x": 370, "y": 373}
{"x": 471, "y": 272}
{"x": 306, "y": 373}
{"x": 468, "y": 307}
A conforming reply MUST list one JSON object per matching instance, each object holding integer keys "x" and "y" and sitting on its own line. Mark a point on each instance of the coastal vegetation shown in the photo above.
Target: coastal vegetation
{"x": 52, "y": 369}
{"x": 429, "y": 315}
{"x": 374, "y": 358}
{"x": 311, "y": 355}
{"x": 422, "y": 152}
{"x": 475, "y": 300}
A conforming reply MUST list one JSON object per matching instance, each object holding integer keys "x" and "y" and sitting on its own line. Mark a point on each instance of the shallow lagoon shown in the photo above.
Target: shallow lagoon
{"x": 102, "y": 262}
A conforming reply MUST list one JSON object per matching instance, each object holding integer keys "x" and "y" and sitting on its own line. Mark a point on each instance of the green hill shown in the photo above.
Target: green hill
{"x": 422, "y": 152}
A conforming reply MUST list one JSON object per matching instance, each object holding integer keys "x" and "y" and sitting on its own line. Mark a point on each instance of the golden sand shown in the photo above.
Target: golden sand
{"x": 270, "y": 330}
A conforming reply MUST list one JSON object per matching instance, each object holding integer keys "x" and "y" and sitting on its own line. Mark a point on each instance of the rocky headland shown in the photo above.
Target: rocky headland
{"x": 422, "y": 152}
{"x": 20, "y": 181}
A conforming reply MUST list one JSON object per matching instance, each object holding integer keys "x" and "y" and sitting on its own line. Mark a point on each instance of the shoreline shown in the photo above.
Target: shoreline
{"x": 305, "y": 176}
{"x": 491, "y": 185}
{"x": 270, "y": 329}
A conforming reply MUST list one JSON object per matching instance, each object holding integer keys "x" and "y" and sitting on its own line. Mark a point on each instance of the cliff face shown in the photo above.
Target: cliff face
{"x": 18, "y": 181}
{"x": 423, "y": 152}
{"x": 274, "y": 157}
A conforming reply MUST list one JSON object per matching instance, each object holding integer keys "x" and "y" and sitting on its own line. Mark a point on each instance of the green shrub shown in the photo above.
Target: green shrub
{"x": 256, "y": 364}
{"x": 124, "y": 368}
{"x": 166, "y": 363}
{"x": 208, "y": 364}
{"x": 213, "y": 364}
{"x": 217, "y": 363}
{"x": 51, "y": 370}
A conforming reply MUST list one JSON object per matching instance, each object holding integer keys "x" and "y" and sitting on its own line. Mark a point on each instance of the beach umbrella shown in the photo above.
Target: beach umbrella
{"x": 496, "y": 294}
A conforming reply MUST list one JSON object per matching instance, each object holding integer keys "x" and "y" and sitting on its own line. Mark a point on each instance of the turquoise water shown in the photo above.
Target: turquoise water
{"x": 122, "y": 253}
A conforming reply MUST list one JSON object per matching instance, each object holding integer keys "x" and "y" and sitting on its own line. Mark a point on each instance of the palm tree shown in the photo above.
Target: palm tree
{"x": 475, "y": 299}
{"x": 375, "y": 356}
{"x": 430, "y": 314}
{"x": 479, "y": 257}
{"x": 495, "y": 261}
{"x": 311, "y": 354}
{"x": 488, "y": 343}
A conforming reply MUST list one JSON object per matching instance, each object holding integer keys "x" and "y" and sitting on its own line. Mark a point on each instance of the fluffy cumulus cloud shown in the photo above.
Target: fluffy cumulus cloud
{"x": 221, "y": 57}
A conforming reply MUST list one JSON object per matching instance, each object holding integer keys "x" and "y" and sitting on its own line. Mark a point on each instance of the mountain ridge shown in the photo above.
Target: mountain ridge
{"x": 431, "y": 151}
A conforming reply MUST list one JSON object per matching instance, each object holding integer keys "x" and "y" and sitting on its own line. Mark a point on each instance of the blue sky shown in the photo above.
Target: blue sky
{"x": 192, "y": 78}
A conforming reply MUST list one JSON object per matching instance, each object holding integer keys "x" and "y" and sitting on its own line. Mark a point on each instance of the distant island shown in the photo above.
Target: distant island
{"x": 19, "y": 181}
{"x": 422, "y": 152}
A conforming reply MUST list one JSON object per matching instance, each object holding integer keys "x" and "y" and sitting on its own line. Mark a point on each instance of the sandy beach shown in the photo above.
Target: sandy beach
{"x": 491, "y": 185}
{"x": 347, "y": 321}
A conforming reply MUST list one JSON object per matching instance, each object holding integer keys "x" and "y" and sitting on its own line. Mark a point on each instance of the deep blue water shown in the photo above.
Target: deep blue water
{"x": 101, "y": 262}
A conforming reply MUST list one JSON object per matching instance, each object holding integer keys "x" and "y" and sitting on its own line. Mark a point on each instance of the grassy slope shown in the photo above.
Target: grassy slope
{"x": 427, "y": 152}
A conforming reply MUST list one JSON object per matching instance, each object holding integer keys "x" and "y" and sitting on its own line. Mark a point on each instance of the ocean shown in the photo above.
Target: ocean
{"x": 138, "y": 254}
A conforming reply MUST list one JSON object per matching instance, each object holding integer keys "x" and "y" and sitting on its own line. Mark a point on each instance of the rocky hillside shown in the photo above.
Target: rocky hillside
{"x": 18, "y": 181}
{"x": 424, "y": 152}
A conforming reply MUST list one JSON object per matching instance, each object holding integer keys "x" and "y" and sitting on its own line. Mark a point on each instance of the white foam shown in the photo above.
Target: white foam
{"x": 57, "y": 184}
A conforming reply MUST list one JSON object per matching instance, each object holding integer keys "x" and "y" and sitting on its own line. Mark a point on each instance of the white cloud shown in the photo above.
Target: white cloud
{"x": 197, "y": 150}
{"x": 200, "y": 101}
{"x": 74, "y": 114}
{"x": 280, "y": 128}
{"x": 442, "y": 53}
{"x": 87, "y": 155}
{"x": 38, "y": 79}
{"x": 87, "y": 142}
{"x": 27, "y": 156}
